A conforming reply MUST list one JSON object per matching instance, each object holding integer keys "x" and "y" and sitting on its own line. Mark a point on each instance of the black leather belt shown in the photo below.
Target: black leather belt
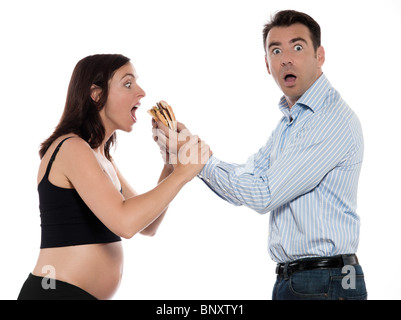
{"x": 316, "y": 263}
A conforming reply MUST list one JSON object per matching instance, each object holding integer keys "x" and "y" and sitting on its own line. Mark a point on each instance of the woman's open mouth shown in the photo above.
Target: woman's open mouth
{"x": 133, "y": 112}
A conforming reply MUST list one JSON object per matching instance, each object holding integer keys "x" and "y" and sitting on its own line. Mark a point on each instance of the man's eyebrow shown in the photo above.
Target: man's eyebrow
{"x": 274, "y": 44}
{"x": 129, "y": 74}
{"x": 277, "y": 43}
{"x": 298, "y": 39}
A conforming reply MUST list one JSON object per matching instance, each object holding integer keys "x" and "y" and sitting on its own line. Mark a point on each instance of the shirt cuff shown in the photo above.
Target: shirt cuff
{"x": 207, "y": 170}
{"x": 208, "y": 176}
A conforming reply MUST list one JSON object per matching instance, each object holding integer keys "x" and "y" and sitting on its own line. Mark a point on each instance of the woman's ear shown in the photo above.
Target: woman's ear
{"x": 96, "y": 92}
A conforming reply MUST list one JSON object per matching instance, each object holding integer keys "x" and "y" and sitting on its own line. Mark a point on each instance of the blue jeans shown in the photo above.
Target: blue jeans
{"x": 346, "y": 283}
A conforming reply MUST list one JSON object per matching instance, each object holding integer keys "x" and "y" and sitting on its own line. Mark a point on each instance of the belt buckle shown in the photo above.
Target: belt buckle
{"x": 284, "y": 269}
{"x": 349, "y": 259}
{"x": 287, "y": 271}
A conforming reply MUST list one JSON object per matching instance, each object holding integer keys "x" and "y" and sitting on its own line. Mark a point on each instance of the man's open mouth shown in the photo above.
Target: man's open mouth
{"x": 290, "y": 79}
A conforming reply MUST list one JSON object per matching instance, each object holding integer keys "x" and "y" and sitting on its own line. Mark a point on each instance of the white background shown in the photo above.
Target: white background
{"x": 206, "y": 59}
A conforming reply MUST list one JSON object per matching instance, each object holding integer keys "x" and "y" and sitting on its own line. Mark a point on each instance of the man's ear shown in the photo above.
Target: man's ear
{"x": 267, "y": 65}
{"x": 96, "y": 92}
{"x": 321, "y": 56}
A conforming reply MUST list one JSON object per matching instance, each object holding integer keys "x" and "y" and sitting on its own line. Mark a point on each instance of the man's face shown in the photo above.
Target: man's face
{"x": 292, "y": 60}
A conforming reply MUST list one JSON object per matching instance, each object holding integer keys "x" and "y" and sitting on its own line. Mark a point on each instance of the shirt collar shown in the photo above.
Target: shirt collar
{"x": 312, "y": 98}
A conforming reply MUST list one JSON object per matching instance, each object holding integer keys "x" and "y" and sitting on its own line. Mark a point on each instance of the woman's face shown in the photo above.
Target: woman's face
{"x": 123, "y": 100}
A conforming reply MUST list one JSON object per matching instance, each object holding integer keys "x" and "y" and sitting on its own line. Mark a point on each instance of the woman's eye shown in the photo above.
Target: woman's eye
{"x": 128, "y": 85}
{"x": 276, "y": 51}
{"x": 298, "y": 47}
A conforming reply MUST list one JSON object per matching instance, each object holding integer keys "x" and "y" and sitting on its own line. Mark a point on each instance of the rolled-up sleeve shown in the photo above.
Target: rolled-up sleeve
{"x": 263, "y": 184}
{"x": 240, "y": 184}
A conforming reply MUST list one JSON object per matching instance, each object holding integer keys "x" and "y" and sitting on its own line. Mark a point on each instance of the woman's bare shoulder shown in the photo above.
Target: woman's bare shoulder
{"x": 76, "y": 152}
{"x": 71, "y": 152}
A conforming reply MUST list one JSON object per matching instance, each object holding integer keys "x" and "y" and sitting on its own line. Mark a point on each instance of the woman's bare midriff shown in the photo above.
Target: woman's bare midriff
{"x": 95, "y": 268}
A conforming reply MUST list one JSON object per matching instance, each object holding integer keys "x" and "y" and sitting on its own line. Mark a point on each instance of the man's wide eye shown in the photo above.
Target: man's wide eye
{"x": 276, "y": 51}
{"x": 298, "y": 47}
{"x": 128, "y": 85}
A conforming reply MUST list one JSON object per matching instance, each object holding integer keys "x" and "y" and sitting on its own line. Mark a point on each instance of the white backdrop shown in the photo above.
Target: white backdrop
{"x": 206, "y": 59}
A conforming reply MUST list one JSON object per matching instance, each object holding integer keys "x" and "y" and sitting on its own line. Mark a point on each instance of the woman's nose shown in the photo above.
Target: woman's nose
{"x": 141, "y": 92}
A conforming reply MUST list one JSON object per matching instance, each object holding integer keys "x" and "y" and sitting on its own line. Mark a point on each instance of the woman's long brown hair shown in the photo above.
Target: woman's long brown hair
{"x": 81, "y": 112}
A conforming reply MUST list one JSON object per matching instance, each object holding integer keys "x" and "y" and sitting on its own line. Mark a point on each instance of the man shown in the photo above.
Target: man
{"x": 307, "y": 173}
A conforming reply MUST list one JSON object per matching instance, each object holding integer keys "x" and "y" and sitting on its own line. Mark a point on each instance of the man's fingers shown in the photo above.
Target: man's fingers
{"x": 159, "y": 136}
{"x": 163, "y": 127}
{"x": 181, "y": 126}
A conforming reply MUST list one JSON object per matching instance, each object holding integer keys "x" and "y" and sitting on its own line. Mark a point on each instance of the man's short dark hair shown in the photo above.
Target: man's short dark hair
{"x": 287, "y": 18}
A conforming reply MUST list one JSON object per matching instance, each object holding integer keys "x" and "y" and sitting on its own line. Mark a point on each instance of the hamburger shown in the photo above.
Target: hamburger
{"x": 164, "y": 113}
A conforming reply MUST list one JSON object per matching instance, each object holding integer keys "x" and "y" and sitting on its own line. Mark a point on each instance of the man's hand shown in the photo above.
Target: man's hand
{"x": 181, "y": 146}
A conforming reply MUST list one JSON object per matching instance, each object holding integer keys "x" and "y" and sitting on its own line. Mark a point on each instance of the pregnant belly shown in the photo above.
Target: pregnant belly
{"x": 95, "y": 268}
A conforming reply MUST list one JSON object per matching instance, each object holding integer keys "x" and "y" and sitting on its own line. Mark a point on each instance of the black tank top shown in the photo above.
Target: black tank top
{"x": 65, "y": 218}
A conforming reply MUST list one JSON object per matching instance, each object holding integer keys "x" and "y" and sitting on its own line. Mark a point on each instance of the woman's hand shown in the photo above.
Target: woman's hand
{"x": 186, "y": 152}
{"x": 163, "y": 151}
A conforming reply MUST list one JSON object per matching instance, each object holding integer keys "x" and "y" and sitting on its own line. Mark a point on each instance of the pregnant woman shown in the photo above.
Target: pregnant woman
{"x": 86, "y": 205}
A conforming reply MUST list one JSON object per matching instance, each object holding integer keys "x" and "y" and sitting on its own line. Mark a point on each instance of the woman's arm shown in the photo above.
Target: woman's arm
{"x": 151, "y": 229}
{"x": 124, "y": 217}
{"x": 129, "y": 192}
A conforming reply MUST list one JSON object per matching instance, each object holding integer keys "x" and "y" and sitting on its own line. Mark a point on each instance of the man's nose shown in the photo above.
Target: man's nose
{"x": 286, "y": 59}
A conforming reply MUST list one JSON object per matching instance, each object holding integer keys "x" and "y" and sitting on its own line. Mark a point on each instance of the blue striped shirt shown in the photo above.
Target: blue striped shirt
{"x": 306, "y": 175}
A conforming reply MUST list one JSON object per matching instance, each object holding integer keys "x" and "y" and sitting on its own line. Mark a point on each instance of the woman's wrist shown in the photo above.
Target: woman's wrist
{"x": 169, "y": 168}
